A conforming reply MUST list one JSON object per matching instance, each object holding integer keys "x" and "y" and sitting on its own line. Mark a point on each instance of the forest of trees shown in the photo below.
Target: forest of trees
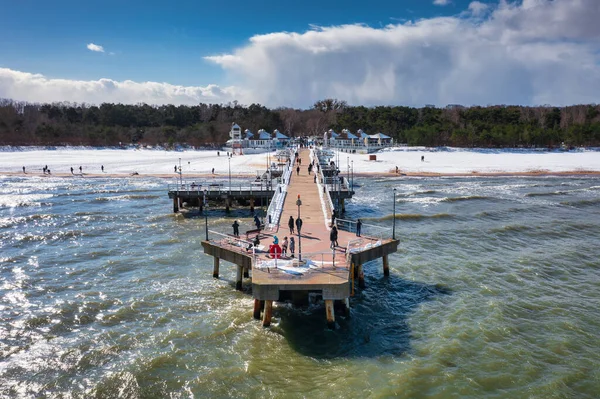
{"x": 208, "y": 124}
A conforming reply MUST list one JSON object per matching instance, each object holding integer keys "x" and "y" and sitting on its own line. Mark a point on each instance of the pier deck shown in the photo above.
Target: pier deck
{"x": 328, "y": 272}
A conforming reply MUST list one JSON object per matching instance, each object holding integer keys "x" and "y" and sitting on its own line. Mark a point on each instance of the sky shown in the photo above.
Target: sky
{"x": 291, "y": 54}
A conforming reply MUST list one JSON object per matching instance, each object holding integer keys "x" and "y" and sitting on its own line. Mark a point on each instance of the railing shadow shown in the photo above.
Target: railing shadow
{"x": 378, "y": 324}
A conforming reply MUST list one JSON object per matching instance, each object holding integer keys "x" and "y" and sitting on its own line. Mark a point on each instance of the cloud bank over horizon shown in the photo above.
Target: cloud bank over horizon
{"x": 531, "y": 53}
{"x": 30, "y": 87}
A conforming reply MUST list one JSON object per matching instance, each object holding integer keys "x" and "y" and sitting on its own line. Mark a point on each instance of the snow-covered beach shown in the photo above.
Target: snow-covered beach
{"x": 437, "y": 161}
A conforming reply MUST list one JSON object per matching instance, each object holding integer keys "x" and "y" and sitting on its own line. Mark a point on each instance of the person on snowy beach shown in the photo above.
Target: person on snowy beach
{"x": 291, "y": 224}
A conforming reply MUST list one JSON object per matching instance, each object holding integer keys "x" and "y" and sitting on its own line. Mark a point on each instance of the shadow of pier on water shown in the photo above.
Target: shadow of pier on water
{"x": 378, "y": 324}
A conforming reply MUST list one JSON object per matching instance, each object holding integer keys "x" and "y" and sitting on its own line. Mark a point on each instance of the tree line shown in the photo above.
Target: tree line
{"x": 56, "y": 124}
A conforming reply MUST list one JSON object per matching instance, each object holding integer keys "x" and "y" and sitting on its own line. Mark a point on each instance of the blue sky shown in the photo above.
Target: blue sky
{"x": 166, "y": 41}
{"x": 411, "y": 52}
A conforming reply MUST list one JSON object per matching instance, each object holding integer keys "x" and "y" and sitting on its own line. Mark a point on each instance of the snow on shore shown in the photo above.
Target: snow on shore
{"x": 407, "y": 159}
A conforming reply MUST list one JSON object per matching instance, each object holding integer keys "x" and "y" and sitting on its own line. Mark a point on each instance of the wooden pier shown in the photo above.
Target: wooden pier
{"x": 316, "y": 269}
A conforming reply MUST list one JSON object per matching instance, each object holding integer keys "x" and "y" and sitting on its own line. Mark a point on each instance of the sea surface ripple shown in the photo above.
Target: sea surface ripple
{"x": 494, "y": 292}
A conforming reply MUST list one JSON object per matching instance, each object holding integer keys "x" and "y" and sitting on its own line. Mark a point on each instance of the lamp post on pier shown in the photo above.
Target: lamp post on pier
{"x": 299, "y": 227}
{"x": 206, "y": 214}
{"x": 229, "y": 160}
{"x": 394, "y": 223}
{"x": 180, "y": 174}
{"x": 352, "y": 184}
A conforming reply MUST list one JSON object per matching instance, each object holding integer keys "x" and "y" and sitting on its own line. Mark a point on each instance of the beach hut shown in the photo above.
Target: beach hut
{"x": 279, "y": 138}
{"x": 346, "y": 138}
{"x": 380, "y": 139}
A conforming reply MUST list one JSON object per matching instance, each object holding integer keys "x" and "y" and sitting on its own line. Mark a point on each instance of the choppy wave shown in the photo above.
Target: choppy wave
{"x": 14, "y": 221}
{"x": 546, "y": 194}
{"x": 582, "y": 203}
{"x": 18, "y": 200}
{"x": 412, "y": 216}
{"x": 465, "y": 198}
{"x": 127, "y": 197}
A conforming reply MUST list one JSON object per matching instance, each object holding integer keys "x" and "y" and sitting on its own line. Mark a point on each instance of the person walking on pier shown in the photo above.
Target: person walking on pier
{"x": 298, "y": 170}
{"x": 284, "y": 246}
{"x": 102, "y": 168}
{"x": 358, "y": 227}
{"x": 236, "y": 228}
{"x": 257, "y": 222}
{"x": 24, "y": 169}
{"x": 333, "y": 237}
{"x": 291, "y": 224}
{"x": 292, "y": 247}
{"x": 298, "y": 225}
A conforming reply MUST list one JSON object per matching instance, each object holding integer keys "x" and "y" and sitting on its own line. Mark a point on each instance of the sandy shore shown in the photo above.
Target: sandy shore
{"x": 190, "y": 176}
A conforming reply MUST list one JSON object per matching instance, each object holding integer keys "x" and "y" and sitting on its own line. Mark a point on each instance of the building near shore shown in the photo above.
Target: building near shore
{"x": 251, "y": 143}
{"x": 360, "y": 142}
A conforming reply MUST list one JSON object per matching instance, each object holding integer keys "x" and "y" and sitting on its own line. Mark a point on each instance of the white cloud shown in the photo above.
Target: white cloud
{"x": 38, "y": 88}
{"x": 529, "y": 52}
{"x": 95, "y": 47}
{"x": 534, "y": 52}
{"x": 441, "y": 2}
{"x": 478, "y": 8}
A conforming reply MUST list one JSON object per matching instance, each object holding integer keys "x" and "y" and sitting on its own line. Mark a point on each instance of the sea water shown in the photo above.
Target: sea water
{"x": 494, "y": 292}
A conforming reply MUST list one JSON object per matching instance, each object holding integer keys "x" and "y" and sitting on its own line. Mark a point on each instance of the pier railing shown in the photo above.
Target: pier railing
{"x": 276, "y": 206}
{"x": 326, "y": 201}
{"x": 226, "y": 239}
{"x": 219, "y": 188}
{"x": 310, "y": 260}
{"x": 362, "y": 243}
{"x": 367, "y": 230}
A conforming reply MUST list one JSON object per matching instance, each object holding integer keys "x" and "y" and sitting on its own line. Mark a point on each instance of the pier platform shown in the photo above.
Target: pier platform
{"x": 316, "y": 269}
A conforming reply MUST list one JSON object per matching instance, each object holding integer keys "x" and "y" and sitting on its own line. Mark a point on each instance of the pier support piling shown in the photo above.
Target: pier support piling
{"x": 347, "y": 307}
{"x": 175, "y": 204}
{"x": 267, "y": 313}
{"x": 246, "y": 272}
{"x": 386, "y": 266}
{"x": 252, "y": 204}
{"x": 361, "y": 277}
{"x": 238, "y": 278}
{"x": 330, "y": 313}
{"x": 343, "y": 205}
{"x": 216, "y": 267}
{"x": 257, "y": 308}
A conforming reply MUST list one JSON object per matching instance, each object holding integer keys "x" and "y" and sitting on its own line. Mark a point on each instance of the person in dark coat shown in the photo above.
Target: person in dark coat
{"x": 299, "y": 225}
{"x": 298, "y": 170}
{"x": 291, "y": 224}
{"x": 257, "y": 222}
{"x": 236, "y": 228}
{"x": 358, "y": 227}
{"x": 333, "y": 237}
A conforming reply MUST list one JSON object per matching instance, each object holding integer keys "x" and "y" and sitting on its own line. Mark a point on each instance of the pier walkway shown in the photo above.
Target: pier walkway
{"x": 316, "y": 269}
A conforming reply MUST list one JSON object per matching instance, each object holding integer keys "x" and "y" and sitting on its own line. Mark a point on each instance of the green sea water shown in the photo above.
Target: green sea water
{"x": 494, "y": 292}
